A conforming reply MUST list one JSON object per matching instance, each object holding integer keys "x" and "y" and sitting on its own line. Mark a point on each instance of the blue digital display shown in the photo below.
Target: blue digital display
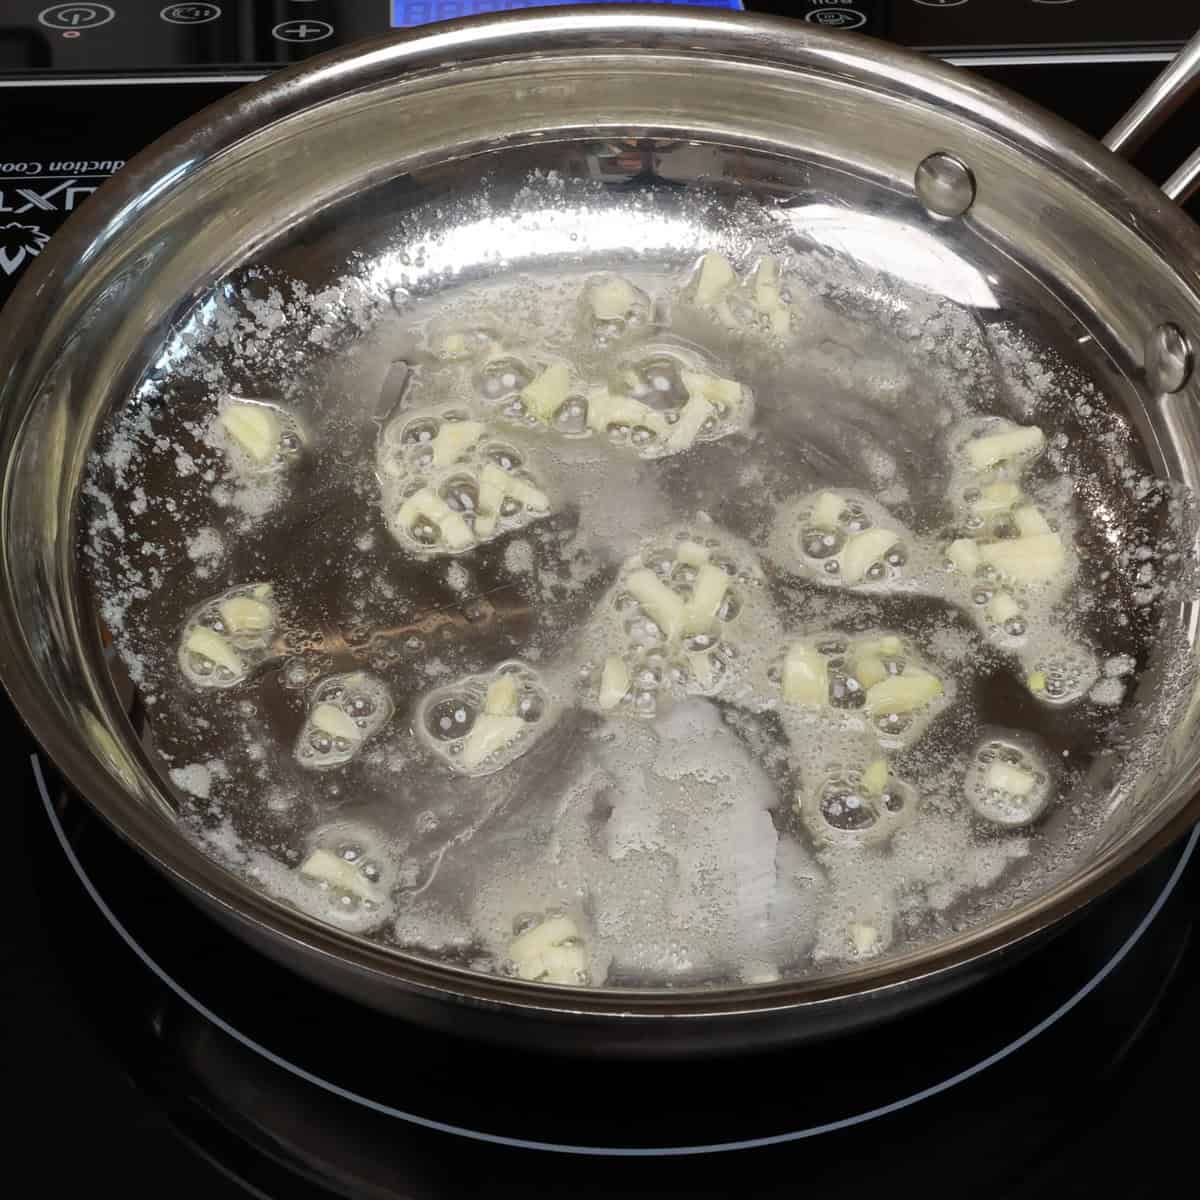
{"x": 406, "y": 13}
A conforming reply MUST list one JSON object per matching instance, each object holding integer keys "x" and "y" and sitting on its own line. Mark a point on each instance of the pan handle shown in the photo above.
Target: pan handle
{"x": 1180, "y": 79}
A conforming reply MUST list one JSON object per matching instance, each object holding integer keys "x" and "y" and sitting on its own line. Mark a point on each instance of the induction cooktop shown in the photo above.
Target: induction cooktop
{"x": 149, "y": 1050}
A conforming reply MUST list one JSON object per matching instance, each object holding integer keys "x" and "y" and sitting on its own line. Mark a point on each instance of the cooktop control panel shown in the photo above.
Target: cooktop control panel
{"x": 86, "y": 38}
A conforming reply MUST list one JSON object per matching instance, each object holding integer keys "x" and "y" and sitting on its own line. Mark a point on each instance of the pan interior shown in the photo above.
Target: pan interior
{"x": 902, "y": 328}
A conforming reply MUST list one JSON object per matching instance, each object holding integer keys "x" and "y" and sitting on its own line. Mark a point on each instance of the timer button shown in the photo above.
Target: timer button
{"x": 190, "y": 14}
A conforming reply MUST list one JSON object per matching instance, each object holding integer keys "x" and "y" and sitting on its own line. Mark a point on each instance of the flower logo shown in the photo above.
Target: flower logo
{"x": 17, "y": 243}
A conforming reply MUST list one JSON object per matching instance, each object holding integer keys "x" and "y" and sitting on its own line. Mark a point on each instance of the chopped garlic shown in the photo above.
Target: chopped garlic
{"x": 714, "y": 279}
{"x": 495, "y": 486}
{"x": 548, "y": 392}
{"x": 491, "y": 496}
{"x": 869, "y": 669}
{"x": 805, "y": 676}
{"x": 875, "y": 777}
{"x": 488, "y": 735}
{"x": 454, "y": 439}
{"x": 428, "y": 504}
{"x": 1004, "y": 777}
{"x": 863, "y": 938}
{"x": 501, "y": 700}
{"x": 1035, "y": 559}
{"x": 996, "y": 497}
{"x": 613, "y": 298}
{"x": 691, "y": 553}
{"x": 827, "y": 511}
{"x": 904, "y": 693}
{"x": 988, "y": 451}
{"x": 964, "y": 555}
{"x": 716, "y": 390}
{"x": 520, "y": 489}
{"x": 1002, "y": 607}
{"x": 862, "y": 551}
{"x": 246, "y": 614}
{"x": 211, "y": 645}
{"x": 605, "y": 409}
{"x": 614, "y": 682}
{"x": 330, "y": 719}
{"x": 254, "y": 429}
{"x": 334, "y": 870}
{"x": 768, "y": 296}
{"x": 1030, "y": 522}
{"x": 691, "y": 417}
{"x": 664, "y": 606}
{"x": 707, "y": 596}
{"x": 551, "y": 952}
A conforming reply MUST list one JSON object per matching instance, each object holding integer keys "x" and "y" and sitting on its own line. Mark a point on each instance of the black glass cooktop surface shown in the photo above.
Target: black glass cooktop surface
{"x": 162, "y": 1043}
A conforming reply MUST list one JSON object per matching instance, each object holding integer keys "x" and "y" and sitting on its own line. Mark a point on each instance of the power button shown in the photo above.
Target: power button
{"x": 75, "y": 16}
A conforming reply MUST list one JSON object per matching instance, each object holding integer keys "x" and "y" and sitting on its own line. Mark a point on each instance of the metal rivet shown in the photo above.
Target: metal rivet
{"x": 945, "y": 186}
{"x": 1168, "y": 359}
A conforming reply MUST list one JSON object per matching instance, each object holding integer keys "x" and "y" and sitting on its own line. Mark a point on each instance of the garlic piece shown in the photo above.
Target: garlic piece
{"x": 254, "y": 428}
{"x": 550, "y": 952}
{"x": 605, "y": 409}
{"x": 501, "y": 699}
{"x": 904, "y": 693}
{"x": 664, "y": 606}
{"x": 869, "y": 670}
{"x": 1004, "y": 777}
{"x": 996, "y": 497}
{"x": 1035, "y": 559}
{"x": 1001, "y": 608}
{"x": 614, "y": 682}
{"x": 827, "y": 511}
{"x": 864, "y": 550}
{"x": 1018, "y": 442}
{"x": 1030, "y": 522}
{"x": 488, "y": 735}
{"x": 768, "y": 297}
{"x": 691, "y": 553}
{"x": 864, "y": 939}
{"x": 805, "y": 676}
{"x": 875, "y": 777}
{"x": 428, "y": 504}
{"x": 330, "y": 719}
{"x": 495, "y": 486}
{"x": 691, "y": 417}
{"x": 964, "y": 555}
{"x": 327, "y": 867}
{"x": 248, "y": 614}
{"x": 548, "y": 392}
{"x": 714, "y": 279}
{"x": 211, "y": 645}
{"x": 707, "y": 596}
{"x": 613, "y": 299}
{"x": 454, "y": 439}
{"x": 718, "y": 391}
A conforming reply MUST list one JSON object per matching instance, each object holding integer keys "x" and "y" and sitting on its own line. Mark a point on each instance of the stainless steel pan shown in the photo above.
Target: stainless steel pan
{"x": 335, "y": 157}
